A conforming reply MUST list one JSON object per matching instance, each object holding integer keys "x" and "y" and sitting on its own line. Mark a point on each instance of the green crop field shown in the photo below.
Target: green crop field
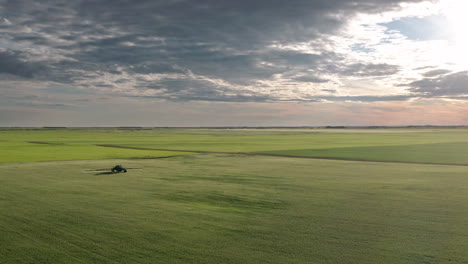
{"x": 352, "y": 199}
{"x": 403, "y": 145}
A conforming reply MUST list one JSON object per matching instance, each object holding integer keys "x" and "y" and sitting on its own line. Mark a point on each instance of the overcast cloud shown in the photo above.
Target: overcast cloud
{"x": 58, "y": 52}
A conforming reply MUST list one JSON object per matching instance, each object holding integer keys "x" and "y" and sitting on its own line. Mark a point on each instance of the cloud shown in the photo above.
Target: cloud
{"x": 198, "y": 62}
{"x": 181, "y": 50}
{"x": 311, "y": 79}
{"x": 364, "y": 98}
{"x": 14, "y": 63}
{"x": 41, "y": 105}
{"x": 369, "y": 70}
{"x": 446, "y": 85}
{"x": 434, "y": 73}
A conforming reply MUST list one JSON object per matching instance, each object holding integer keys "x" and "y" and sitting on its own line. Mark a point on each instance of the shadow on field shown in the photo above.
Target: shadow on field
{"x": 104, "y": 173}
{"x": 107, "y": 172}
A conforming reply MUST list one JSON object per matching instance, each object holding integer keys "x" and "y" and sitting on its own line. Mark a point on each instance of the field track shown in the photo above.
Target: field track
{"x": 278, "y": 155}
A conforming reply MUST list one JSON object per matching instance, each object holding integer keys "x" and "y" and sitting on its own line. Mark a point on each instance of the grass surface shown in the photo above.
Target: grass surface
{"x": 215, "y": 208}
{"x": 437, "y": 146}
{"x": 233, "y": 209}
{"x": 449, "y": 153}
{"x": 43, "y": 145}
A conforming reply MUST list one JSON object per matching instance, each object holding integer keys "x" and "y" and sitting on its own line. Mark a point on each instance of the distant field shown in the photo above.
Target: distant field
{"x": 182, "y": 207}
{"x": 425, "y": 146}
{"x": 50, "y": 145}
{"x": 449, "y": 153}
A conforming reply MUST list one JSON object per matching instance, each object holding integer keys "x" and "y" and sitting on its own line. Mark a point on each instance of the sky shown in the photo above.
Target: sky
{"x": 159, "y": 63}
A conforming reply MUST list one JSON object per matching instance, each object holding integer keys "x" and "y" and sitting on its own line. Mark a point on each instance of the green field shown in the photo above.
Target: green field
{"x": 404, "y": 145}
{"x": 60, "y": 204}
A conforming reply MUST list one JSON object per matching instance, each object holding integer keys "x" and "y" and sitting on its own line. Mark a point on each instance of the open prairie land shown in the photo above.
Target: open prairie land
{"x": 359, "y": 196}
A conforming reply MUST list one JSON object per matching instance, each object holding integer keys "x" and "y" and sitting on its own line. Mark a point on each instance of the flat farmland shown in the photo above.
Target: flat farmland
{"x": 401, "y": 145}
{"x": 60, "y": 204}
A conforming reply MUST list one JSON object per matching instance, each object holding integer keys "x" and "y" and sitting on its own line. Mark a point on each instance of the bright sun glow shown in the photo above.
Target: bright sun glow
{"x": 456, "y": 13}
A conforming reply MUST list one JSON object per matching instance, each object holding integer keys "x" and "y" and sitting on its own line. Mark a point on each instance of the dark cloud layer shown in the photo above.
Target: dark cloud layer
{"x": 188, "y": 50}
{"x": 12, "y": 62}
{"x": 434, "y": 73}
{"x": 454, "y": 84}
{"x": 369, "y": 70}
{"x": 310, "y": 79}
